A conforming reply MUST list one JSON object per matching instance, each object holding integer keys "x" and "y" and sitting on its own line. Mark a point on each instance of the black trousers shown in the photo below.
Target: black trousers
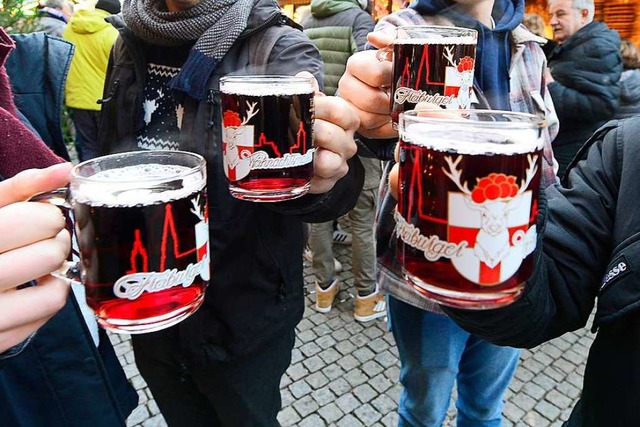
{"x": 87, "y": 123}
{"x": 239, "y": 393}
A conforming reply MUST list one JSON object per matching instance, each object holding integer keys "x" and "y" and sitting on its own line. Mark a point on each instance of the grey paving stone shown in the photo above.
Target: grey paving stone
{"x": 347, "y": 403}
{"x": 323, "y": 396}
{"x": 367, "y": 414}
{"x": 305, "y": 406}
{"x": 349, "y": 421}
{"x": 330, "y": 413}
{"x": 288, "y": 417}
{"x": 365, "y": 393}
{"x": 299, "y": 389}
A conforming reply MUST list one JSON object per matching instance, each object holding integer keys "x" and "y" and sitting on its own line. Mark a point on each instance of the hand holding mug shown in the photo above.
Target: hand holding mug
{"x": 33, "y": 244}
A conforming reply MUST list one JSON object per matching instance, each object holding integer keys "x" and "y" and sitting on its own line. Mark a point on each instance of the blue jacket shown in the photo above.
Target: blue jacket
{"x": 39, "y": 93}
{"x": 60, "y": 379}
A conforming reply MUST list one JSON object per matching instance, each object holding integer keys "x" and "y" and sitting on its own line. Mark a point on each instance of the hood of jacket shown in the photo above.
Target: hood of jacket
{"x": 324, "y": 8}
{"x": 630, "y": 86}
{"x": 89, "y": 21}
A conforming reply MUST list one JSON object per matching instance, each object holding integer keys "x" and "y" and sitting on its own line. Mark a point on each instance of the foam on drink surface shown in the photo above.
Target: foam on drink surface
{"x": 472, "y": 141}
{"x": 271, "y": 88}
{"x": 435, "y": 39}
{"x": 138, "y": 185}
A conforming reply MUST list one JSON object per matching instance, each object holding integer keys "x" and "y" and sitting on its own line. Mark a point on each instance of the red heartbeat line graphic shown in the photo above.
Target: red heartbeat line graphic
{"x": 301, "y": 140}
{"x": 138, "y": 250}
{"x": 424, "y": 63}
{"x": 415, "y": 186}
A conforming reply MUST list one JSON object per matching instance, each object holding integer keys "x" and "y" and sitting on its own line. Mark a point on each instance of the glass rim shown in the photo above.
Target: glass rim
{"x": 442, "y": 30}
{"x": 524, "y": 120}
{"x": 200, "y": 165}
{"x": 258, "y": 78}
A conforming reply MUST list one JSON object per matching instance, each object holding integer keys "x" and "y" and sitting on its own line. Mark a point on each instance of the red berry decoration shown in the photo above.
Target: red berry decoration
{"x": 231, "y": 118}
{"x": 493, "y": 187}
{"x": 465, "y": 64}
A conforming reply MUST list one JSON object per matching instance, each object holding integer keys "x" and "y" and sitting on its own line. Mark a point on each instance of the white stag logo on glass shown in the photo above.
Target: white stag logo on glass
{"x": 237, "y": 144}
{"x": 493, "y": 219}
{"x": 459, "y": 77}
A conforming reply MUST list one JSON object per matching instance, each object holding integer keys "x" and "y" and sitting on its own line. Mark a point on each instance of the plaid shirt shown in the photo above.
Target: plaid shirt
{"x": 528, "y": 94}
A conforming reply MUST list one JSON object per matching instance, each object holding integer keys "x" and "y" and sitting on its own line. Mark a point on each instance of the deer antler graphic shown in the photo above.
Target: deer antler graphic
{"x": 196, "y": 208}
{"x": 455, "y": 174}
{"x": 449, "y": 56}
{"x": 531, "y": 172}
{"x": 250, "y": 112}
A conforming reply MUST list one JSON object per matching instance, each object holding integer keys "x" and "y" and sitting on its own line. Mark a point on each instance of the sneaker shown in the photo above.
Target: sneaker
{"x": 341, "y": 237}
{"x": 307, "y": 255}
{"x": 325, "y": 297}
{"x": 370, "y": 307}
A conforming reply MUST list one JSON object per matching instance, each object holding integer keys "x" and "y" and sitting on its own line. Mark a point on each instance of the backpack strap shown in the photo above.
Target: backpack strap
{"x": 261, "y": 44}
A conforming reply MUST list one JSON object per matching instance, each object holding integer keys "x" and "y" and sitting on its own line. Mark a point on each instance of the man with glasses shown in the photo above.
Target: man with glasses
{"x": 584, "y": 74}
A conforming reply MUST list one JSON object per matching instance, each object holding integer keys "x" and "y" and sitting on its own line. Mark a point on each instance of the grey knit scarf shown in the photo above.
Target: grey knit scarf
{"x": 213, "y": 24}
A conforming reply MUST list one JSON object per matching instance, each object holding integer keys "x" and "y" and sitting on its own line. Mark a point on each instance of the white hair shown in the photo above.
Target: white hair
{"x": 583, "y": 4}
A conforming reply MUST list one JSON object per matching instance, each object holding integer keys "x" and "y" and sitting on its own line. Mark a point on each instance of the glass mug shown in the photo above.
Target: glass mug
{"x": 141, "y": 223}
{"x": 433, "y": 64}
{"x": 467, "y": 204}
{"x": 267, "y": 136}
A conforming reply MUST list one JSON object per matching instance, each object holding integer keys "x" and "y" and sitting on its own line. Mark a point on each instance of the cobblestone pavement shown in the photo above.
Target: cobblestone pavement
{"x": 345, "y": 374}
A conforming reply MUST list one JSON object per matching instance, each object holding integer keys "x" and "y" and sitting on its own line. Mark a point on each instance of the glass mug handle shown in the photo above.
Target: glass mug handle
{"x": 69, "y": 270}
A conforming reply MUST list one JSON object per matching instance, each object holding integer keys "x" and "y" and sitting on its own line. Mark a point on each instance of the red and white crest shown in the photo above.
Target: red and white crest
{"x": 493, "y": 219}
{"x": 237, "y": 142}
{"x": 458, "y": 79}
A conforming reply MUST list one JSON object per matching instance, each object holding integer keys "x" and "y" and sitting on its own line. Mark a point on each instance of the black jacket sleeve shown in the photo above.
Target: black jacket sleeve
{"x": 576, "y": 232}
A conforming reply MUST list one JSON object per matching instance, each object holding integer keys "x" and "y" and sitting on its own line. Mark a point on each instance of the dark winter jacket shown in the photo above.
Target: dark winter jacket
{"x": 39, "y": 93}
{"x": 58, "y": 378}
{"x": 588, "y": 250}
{"x": 256, "y": 288}
{"x": 339, "y": 29}
{"x": 586, "y": 69}
{"x": 629, "y": 94}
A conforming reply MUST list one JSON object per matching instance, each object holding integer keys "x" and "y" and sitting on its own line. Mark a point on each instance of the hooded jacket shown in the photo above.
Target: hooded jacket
{"x": 339, "y": 29}
{"x": 629, "y": 94}
{"x": 256, "y": 287}
{"x": 93, "y": 38}
{"x": 586, "y": 69}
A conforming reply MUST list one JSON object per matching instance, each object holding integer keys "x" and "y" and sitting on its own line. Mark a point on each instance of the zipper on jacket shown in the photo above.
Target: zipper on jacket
{"x": 112, "y": 93}
{"x": 211, "y": 99}
{"x": 282, "y": 292}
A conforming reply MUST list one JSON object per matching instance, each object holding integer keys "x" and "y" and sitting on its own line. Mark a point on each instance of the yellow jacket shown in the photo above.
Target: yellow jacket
{"x": 93, "y": 38}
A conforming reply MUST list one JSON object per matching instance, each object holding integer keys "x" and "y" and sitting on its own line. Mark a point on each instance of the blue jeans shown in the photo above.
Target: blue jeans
{"x": 434, "y": 353}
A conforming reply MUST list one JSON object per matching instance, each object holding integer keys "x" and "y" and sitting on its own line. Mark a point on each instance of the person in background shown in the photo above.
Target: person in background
{"x": 222, "y": 366}
{"x": 584, "y": 74}
{"x": 93, "y": 39}
{"x": 54, "y": 15}
{"x": 339, "y": 29}
{"x": 535, "y": 24}
{"x": 56, "y": 368}
{"x": 629, "y": 82}
{"x": 434, "y": 351}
